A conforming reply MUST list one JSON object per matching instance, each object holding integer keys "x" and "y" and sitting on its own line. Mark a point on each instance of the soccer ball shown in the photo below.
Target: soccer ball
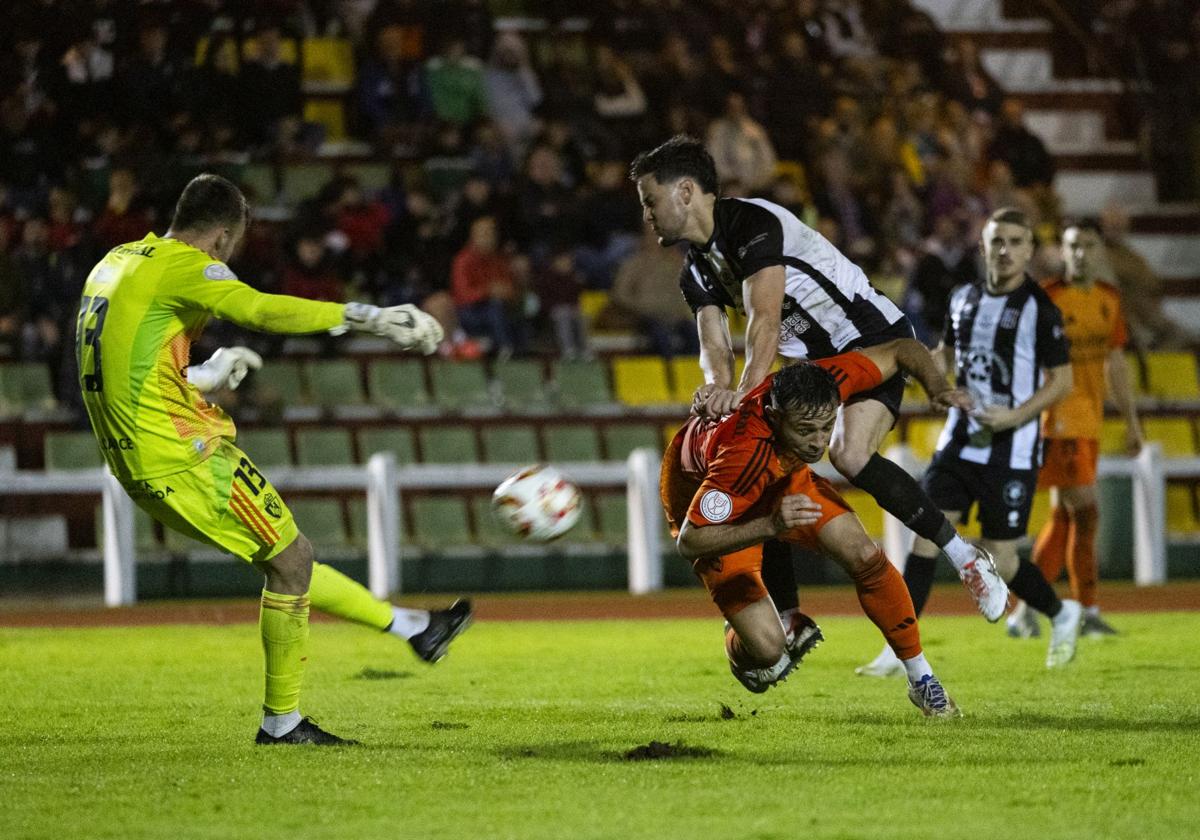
{"x": 537, "y": 503}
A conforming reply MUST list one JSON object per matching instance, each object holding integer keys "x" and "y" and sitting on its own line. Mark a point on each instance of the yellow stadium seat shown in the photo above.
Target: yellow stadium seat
{"x": 1112, "y": 437}
{"x": 329, "y": 114}
{"x": 641, "y": 380}
{"x": 686, "y": 377}
{"x": 669, "y": 431}
{"x": 228, "y": 53}
{"x": 1040, "y": 512}
{"x": 922, "y": 435}
{"x": 328, "y": 61}
{"x": 288, "y": 51}
{"x": 1134, "y": 363}
{"x": 868, "y": 510}
{"x": 592, "y": 303}
{"x": 890, "y": 439}
{"x": 1181, "y": 509}
{"x": 914, "y": 394}
{"x": 1172, "y": 376}
{"x": 1174, "y": 433}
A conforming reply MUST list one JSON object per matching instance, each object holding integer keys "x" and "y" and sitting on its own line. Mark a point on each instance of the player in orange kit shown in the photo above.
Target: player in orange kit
{"x": 1095, "y": 326}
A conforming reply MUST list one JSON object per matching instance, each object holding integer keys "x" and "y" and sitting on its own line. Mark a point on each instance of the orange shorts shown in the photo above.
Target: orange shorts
{"x": 1069, "y": 462}
{"x": 734, "y": 581}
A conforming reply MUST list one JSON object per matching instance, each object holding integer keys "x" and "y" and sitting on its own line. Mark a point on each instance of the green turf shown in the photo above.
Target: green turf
{"x": 131, "y": 733}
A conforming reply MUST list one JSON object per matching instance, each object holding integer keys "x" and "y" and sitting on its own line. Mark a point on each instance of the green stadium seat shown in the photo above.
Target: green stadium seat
{"x": 281, "y": 382}
{"x": 304, "y": 180}
{"x": 25, "y": 386}
{"x": 448, "y": 445}
{"x": 620, "y": 439}
{"x": 398, "y": 384}
{"x": 266, "y": 447}
{"x": 510, "y": 445}
{"x": 323, "y": 447}
{"x": 613, "y": 513}
{"x": 459, "y": 386}
{"x": 1172, "y": 375}
{"x": 571, "y": 442}
{"x": 258, "y": 181}
{"x": 488, "y": 530}
{"x": 335, "y": 382}
{"x": 395, "y": 439}
{"x": 521, "y": 385}
{"x": 320, "y": 520}
{"x": 72, "y": 451}
{"x": 582, "y": 384}
{"x": 439, "y": 522}
{"x": 641, "y": 380}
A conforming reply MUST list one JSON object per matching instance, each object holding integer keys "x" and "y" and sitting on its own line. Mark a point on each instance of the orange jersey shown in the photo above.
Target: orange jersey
{"x": 1094, "y": 324}
{"x": 737, "y": 457}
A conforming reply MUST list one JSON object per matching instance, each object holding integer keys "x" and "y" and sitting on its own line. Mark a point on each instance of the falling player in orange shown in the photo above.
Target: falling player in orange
{"x": 730, "y": 485}
{"x": 1094, "y": 324}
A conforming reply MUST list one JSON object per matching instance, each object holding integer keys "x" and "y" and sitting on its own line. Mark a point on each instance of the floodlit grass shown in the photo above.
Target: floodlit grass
{"x": 521, "y": 732}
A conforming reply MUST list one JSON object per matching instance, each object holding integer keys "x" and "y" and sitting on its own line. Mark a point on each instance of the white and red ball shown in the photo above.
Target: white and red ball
{"x": 537, "y": 503}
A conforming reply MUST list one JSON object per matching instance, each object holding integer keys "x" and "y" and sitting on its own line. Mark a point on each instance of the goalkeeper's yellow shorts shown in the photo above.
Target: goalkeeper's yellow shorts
{"x": 224, "y": 502}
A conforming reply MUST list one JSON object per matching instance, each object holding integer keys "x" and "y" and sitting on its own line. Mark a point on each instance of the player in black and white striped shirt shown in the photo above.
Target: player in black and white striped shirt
{"x": 1006, "y": 341}
{"x": 803, "y": 299}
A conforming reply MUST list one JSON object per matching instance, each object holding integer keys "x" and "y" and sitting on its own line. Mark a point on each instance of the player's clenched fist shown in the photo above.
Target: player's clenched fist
{"x": 225, "y": 369}
{"x": 406, "y": 325}
{"x": 795, "y": 511}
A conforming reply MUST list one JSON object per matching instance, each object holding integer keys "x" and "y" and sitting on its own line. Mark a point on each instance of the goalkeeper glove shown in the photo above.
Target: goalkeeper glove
{"x": 226, "y": 369}
{"x": 406, "y": 325}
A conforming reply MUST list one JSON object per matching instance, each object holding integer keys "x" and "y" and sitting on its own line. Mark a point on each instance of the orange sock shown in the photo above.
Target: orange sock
{"x": 1050, "y": 550}
{"x": 885, "y": 600}
{"x": 1082, "y": 567}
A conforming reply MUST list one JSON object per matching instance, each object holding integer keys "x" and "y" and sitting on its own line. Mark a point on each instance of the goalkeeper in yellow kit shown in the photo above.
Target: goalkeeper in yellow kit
{"x": 142, "y": 307}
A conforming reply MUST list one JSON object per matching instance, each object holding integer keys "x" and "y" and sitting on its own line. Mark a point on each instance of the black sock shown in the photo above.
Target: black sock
{"x": 779, "y": 576}
{"x": 1030, "y": 586}
{"x": 901, "y": 495}
{"x": 918, "y": 575}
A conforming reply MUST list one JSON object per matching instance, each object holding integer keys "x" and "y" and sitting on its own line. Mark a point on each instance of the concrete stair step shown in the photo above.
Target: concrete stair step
{"x": 1087, "y": 192}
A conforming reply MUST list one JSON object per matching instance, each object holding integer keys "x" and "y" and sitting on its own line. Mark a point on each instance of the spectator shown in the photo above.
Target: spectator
{"x": 619, "y": 103}
{"x": 310, "y": 273}
{"x": 1020, "y": 148}
{"x": 12, "y": 297}
{"x": 126, "y": 216}
{"x": 558, "y": 285}
{"x": 456, "y": 88}
{"x": 839, "y": 198}
{"x": 270, "y": 90}
{"x": 85, "y": 75}
{"x": 49, "y": 288}
{"x": 947, "y": 261}
{"x": 797, "y": 96}
{"x": 740, "y": 146}
{"x": 965, "y": 80}
{"x": 151, "y": 81}
{"x": 392, "y": 96}
{"x": 609, "y": 224}
{"x": 485, "y": 294}
{"x": 544, "y": 204}
{"x": 513, "y": 91}
{"x": 645, "y": 296}
{"x": 363, "y": 221}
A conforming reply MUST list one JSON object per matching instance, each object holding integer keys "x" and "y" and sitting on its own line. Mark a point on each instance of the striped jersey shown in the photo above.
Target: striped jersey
{"x": 828, "y": 303}
{"x": 1002, "y": 344}
{"x": 143, "y": 305}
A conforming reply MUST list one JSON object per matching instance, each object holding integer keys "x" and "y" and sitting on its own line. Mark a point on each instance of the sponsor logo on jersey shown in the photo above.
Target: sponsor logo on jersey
{"x": 272, "y": 506}
{"x": 716, "y": 506}
{"x": 1014, "y": 493}
{"x": 218, "y": 271}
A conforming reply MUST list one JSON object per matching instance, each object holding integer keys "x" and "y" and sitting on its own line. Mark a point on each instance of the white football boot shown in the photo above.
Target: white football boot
{"x": 1022, "y": 622}
{"x": 1064, "y": 633}
{"x": 986, "y": 586}
{"x": 886, "y": 664}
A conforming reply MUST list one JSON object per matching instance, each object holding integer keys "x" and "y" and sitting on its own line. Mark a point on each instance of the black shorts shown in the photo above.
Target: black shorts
{"x": 1005, "y": 496}
{"x": 890, "y": 392}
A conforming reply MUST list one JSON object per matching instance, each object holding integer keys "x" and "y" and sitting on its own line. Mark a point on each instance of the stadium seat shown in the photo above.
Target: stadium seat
{"x": 395, "y": 439}
{"x": 922, "y": 435}
{"x": 319, "y": 446}
{"x": 459, "y": 386}
{"x": 868, "y": 510}
{"x": 686, "y": 377}
{"x": 488, "y": 530}
{"x": 72, "y": 451}
{"x": 521, "y": 385}
{"x": 1039, "y": 512}
{"x": 258, "y": 181}
{"x": 330, "y": 114}
{"x": 641, "y": 380}
{"x": 399, "y": 385}
{"x": 25, "y": 386}
{"x": 510, "y": 445}
{"x": 439, "y": 522}
{"x": 328, "y": 62}
{"x": 1181, "y": 509}
{"x": 1137, "y": 374}
{"x": 1172, "y": 375}
{"x": 591, "y": 303}
{"x": 1112, "y": 437}
{"x": 448, "y": 445}
{"x": 320, "y": 520}
{"x": 334, "y": 382}
{"x": 302, "y": 181}
{"x": 265, "y": 447}
{"x": 582, "y": 385}
{"x": 613, "y": 513}
{"x": 669, "y": 430}
{"x": 622, "y": 438}
{"x": 281, "y": 382}
{"x": 1173, "y": 433}
{"x": 570, "y": 442}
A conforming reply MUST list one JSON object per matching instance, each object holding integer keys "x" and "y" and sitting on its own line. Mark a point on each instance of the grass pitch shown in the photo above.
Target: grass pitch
{"x": 523, "y": 732}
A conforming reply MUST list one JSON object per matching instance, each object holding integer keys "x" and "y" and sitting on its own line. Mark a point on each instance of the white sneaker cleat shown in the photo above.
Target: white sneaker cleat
{"x": 801, "y": 634}
{"x": 886, "y": 664}
{"x": 933, "y": 701}
{"x": 759, "y": 680}
{"x": 1064, "y": 633}
{"x": 1022, "y": 623}
{"x": 986, "y": 586}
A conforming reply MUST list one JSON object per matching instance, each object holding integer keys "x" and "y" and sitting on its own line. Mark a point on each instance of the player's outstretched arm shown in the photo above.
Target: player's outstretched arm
{"x": 913, "y": 357}
{"x": 793, "y": 511}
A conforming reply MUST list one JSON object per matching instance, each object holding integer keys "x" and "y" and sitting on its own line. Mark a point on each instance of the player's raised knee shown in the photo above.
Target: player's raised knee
{"x": 846, "y": 458}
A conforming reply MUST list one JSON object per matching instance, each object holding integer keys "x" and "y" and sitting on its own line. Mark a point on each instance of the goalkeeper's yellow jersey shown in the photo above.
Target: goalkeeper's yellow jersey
{"x": 143, "y": 305}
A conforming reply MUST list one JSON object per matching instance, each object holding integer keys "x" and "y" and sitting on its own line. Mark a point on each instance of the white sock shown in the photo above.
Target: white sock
{"x": 279, "y": 725}
{"x": 959, "y": 551}
{"x": 408, "y": 623}
{"x": 916, "y": 668}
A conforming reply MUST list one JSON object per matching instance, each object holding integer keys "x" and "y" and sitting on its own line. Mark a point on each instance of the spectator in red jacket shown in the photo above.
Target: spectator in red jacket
{"x": 310, "y": 273}
{"x": 485, "y": 293}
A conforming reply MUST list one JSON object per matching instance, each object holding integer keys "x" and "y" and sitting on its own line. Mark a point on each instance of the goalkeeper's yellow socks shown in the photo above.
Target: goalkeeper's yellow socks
{"x": 334, "y": 593}
{"x": 283, "y": 622}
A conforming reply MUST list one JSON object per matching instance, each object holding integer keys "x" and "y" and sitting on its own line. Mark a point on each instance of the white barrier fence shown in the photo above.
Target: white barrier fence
{"x": 382, "y": 482}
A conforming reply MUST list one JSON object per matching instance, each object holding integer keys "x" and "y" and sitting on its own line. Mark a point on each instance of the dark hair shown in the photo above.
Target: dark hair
{"x": 679, "y": 157}
{"x": 804, "y": 388}
{"x": 209, "y": 201}
{"x": 1090, "y": 225}
{"x": 1011, "y": 216}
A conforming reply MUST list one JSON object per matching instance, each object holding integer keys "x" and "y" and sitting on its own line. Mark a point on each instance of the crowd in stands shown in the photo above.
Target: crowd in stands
{"x": 508, "y": 147}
